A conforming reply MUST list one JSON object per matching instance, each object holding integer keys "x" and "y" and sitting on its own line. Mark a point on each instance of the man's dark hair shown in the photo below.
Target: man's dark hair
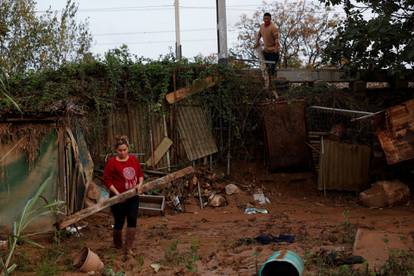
{"x": 267, "y": 14}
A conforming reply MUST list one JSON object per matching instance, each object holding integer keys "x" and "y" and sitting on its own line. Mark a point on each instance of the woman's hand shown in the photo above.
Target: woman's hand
{"x": 114, "y": 190}
{"x": 140, "y": 189}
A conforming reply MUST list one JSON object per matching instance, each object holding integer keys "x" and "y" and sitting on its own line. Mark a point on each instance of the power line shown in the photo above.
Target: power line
{"x": 118, "y": 9}
{"x": 154, "y": 42}
{"x": 145, "y": 8}
{"x": 154, "y": 32}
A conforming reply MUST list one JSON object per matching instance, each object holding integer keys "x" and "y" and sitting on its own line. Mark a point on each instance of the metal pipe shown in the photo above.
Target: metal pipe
{"x": 341, "y": 110}
{"x": 178, "y": 51}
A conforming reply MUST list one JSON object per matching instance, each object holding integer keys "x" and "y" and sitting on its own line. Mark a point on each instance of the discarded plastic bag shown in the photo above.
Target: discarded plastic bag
{"x": 250, "y": 211}
{"x": 261, "y": 198}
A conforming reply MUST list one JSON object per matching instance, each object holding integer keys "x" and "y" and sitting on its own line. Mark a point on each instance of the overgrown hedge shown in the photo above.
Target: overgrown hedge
{"x": 97, "y": 86}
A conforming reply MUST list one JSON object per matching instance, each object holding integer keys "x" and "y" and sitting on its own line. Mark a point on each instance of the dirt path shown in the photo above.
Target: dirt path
{"x": 215, "y": 241}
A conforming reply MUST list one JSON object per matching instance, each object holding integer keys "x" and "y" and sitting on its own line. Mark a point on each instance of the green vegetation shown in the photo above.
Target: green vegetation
{"x": 173, "y": 257}
{"x": 384, "y": 39}
{"x": 31, "y": 211}
{"x": 399, "y": 263}
{"x": 34, "y": 41}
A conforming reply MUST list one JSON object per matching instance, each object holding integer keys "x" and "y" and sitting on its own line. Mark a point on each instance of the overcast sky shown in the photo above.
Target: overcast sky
{"x": 147, "y": 26}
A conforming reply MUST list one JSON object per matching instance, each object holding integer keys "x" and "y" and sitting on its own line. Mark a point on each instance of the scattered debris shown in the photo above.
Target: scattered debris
{"x": 232, "y": 189}
{"x": 93, "y": 194}
{"x": 397, "y": 135}
{"x": 151, "y": 204}
{"x": 375, "y": 246}
{"x": 177, "y": 204}
{"x": 252, "y": 210}
{"x": 217, "y": 200}
{"x": 261, "y": 198}
{"x": 76, "y": 230}
{"x": 193, "y": 183}
{"x": 337, "y": 256}
{"x": 385, "y": 193}
{"x": 268, "y": 238}
{"x": 156, "y": 267}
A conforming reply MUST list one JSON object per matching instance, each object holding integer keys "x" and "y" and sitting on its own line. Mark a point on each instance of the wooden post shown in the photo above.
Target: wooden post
{"x": 159, "y": 183}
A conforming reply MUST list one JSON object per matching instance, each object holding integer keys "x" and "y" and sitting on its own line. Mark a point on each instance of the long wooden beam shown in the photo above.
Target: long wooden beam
{"x": 197, "y": 86}
{"x": 159, "y": 183}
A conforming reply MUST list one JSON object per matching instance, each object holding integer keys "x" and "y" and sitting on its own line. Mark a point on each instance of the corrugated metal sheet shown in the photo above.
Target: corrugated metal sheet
{"x": 285, "y": 134}
{"x": 195, "y": 133}
{"x": 343, "y": 167}
{"x": 139, "y": 124}
{"x": 397, "y": 139}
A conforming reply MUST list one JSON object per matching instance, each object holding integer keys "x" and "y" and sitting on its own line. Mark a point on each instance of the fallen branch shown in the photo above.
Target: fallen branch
{"x": 159, "y": 183}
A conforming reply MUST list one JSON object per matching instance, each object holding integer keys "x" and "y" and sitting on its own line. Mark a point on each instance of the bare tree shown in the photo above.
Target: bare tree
{"x": 304, "y": 30}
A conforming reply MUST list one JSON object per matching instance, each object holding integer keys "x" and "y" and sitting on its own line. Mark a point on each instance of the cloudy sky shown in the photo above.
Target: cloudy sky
{"x": 147, "y": 26}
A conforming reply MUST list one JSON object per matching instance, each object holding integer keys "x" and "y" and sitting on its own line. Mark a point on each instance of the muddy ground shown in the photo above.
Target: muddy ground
{"x": 217, "y": 241}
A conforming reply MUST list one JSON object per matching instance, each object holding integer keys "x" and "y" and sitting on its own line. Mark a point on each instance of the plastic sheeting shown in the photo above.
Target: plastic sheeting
{"x": 63, "y": 157}
{"x": 20, "y": 180}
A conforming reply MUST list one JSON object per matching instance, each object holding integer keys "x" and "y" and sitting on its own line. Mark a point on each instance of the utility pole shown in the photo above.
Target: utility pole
{"x": 178, "y": 52}
{"x": 221, "y": 31}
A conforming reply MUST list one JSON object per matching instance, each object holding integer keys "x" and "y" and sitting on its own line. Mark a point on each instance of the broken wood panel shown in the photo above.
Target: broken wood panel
{"x": 343, "y": 167}
{"x": 397, "y": 149}
{"x": 160, "y": 151}
{"x": 401, "y": 115}
{"x": 197, "y": 86}
{"x": 195, "y": 132}
{"x": 159, "y": 183}
{"x": 397, "y": 138}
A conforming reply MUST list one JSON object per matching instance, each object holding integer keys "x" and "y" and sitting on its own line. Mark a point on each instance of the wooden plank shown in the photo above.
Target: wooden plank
{"x": 197, "y": 86}
{"x": 159, "y": 152}
{"x": 159, "y": 183}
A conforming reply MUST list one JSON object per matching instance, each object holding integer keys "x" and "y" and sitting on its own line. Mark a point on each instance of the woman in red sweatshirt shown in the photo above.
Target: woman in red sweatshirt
{"x": 123, "y": 172}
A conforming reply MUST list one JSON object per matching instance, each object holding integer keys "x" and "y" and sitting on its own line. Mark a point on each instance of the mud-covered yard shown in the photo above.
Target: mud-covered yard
{"x": 220, "y": 241}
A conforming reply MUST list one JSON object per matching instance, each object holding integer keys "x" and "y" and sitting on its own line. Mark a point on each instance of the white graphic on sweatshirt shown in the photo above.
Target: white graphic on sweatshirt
{"x": 130, "y": 177}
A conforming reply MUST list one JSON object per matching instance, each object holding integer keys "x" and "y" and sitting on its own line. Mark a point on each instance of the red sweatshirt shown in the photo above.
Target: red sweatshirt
{"x": 124, "y": 175}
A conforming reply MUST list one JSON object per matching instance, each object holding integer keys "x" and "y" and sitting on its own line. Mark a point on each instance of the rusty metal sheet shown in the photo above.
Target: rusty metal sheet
{"x": 397, "y": 138}
{"x": 343, "y": 167}
{"x": 285, "y": 134}
{"x": 195, "y": 132}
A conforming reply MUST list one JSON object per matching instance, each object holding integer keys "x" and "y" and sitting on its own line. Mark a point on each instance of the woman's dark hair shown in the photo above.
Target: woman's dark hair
{"x": 121, "y": 140}
{"x": 267, "y": 14}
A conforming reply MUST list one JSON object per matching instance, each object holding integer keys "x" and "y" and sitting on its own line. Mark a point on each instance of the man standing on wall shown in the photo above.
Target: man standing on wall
{"x": 270, "y": 34}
